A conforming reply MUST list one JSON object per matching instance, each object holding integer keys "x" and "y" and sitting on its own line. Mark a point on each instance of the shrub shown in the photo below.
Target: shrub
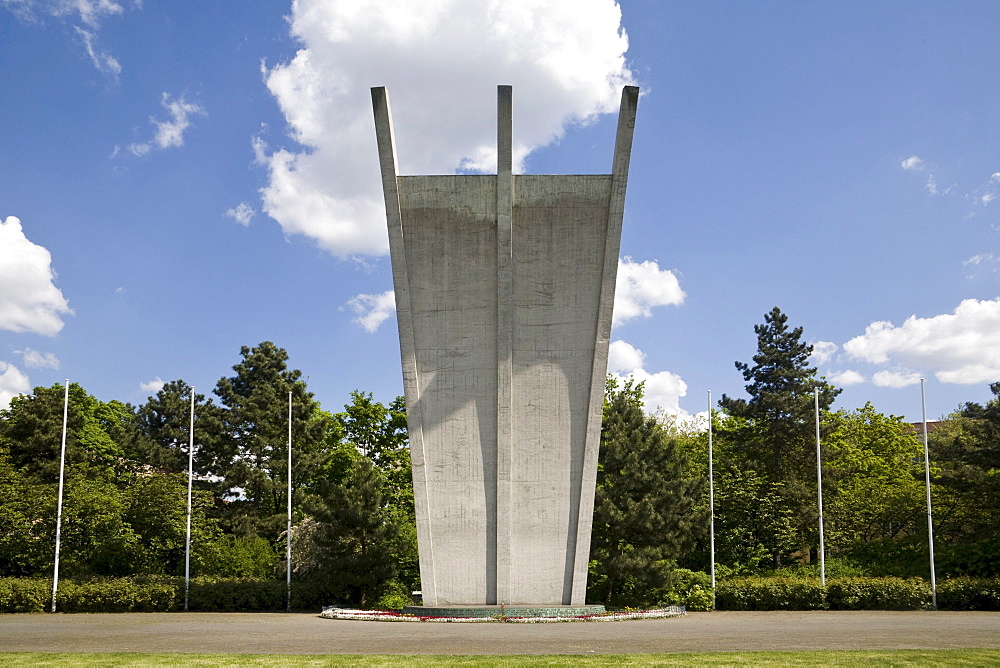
{"x": 969, "y": 594}
{"x": 775, "y": 593}
{"x": 143, "y": 594}
{"x": 25, "y": 594}
{"x": 692, "y": 589}
{"x": 887, "y": 593}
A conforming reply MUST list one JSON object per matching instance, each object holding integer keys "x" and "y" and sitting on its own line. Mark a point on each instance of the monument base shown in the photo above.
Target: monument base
{"x": 506, "y": 611}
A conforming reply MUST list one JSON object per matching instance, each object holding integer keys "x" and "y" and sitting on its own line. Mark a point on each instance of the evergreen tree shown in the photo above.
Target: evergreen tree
{"x": 780, "y": 411}
{"x": 251, "y": 453}
{"x": 355, "y": 533}
{"x": 159, "y": 430}
{"x": 645, "y": 509}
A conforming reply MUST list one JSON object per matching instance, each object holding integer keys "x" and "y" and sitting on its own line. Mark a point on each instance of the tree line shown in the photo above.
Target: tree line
{"x": 354, "y": 527}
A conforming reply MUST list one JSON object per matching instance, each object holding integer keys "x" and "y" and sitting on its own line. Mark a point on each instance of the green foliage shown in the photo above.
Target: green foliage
{"x": 251, "y": 453}
{"x": 776, "y": 593}
{"x": 780, "y": 411}
{"x": 25, "y": 595}
{"x": 354, "y": 536}
{"x": 232, "y": 556}
{"x": 888, "y": 593}
{"x": 645, "y": 513}
{"x": 965, "y": 593}
{"x": 692, "y": 589}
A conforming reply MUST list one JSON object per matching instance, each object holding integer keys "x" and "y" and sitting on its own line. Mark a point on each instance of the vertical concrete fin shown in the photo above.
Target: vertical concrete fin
{"x": 407, "y": 343}
{"x": 505, "y": 330}
{"x": 616, "y": 211}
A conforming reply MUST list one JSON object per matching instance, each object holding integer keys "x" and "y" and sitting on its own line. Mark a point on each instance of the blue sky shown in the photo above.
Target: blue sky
{"x": 179, "y": 179}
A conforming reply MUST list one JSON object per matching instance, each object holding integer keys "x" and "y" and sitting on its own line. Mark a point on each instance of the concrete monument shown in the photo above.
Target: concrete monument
{"x": 504, "y": 291}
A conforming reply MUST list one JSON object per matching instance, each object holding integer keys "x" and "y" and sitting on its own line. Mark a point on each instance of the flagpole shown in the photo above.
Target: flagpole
{"x": 819, "y": 494}
{"x": 927, "y": 482}
{"x": 59, "y": 503}
{"x": 711, "y": 498}
{"x": 288, "y": 530}
{"x": 187, "y": 540}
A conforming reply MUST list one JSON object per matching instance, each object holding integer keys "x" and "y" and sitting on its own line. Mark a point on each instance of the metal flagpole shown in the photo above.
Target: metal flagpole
{"x": 288, "y": 531}
{"x": 819, "y": 495}
{"x": 927, "y": 481}
{"x": 711, "y": 498}
{"x": 187, "y": 541}
{"x": 59, "y": 503}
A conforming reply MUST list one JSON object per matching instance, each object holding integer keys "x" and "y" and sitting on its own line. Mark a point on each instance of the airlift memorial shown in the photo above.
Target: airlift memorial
{"x": 504, "y": 292}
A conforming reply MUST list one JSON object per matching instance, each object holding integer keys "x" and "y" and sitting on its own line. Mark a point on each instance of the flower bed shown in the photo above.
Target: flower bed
{"x": 393, "y": 616}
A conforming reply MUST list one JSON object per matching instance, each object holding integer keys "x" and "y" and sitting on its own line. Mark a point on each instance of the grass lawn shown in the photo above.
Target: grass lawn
{"x": 906, "y": 657}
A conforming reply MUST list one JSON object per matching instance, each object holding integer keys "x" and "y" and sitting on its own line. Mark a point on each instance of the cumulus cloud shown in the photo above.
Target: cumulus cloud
{"x": 169, "y": 133}
{"x": 912, "y": 163}
{"x": 441, "y": 61}
{"x": 12, "y": 383}
{"x": 887, "y": 378}
{"x": 372, "y": 310}
{"x": 152, "y": 386}
{"x": 38, "y": 360}
{"x": 243, "y": 213}
{"x": 822, "y": 352}
{"x": 960, "y": 347}
{"x": 663, "y": 389}
{"x": 29, "y": 299}
{"x": 845, "y": 378}
{"x": 641, "y": 286}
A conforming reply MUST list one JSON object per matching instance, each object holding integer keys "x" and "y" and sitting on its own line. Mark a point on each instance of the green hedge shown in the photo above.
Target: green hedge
{"x": 888, "y": 593}
{"x": 166, "y": 594}
{"x": 878, "y": 594}
{"x": 967, "y": 593}
{"x": 775, "y": 593}
{"x": 159, "y": 594}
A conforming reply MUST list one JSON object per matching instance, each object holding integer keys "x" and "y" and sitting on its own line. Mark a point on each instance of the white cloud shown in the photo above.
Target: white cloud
{"x": 845, "y": 378}
{"x": 913, "y": 162}
{"x": 662, "y": 390}
{"x": 169, "y": 133}
{"x": 37, "y": 360}
{"x": 152, "y": 386}
{"x": 887, "y": 378}
{"x": 822, "y": 352}
{"x": 373, "y": 310}
{"x": 959, "y": 347}
{"x": 104, "y": 62}
{"x": 441, "y": 61}
{"x": 90, "y": 13}
{"x": 242, "y": 214}
{"x": 641, "y": 286}
{"x": 12, "y": 383}
{"x": 624, "y": 357}
{"x": 29, "y": 300}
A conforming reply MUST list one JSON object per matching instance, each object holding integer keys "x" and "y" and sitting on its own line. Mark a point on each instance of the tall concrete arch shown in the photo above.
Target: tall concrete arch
{"x": 504, "y": 292}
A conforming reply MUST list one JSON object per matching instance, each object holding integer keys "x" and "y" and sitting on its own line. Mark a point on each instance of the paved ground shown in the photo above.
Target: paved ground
{"x": 277, "y": 633}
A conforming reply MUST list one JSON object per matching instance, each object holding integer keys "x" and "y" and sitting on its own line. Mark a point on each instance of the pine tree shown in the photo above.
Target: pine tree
{"x": 780, "y": 411}
{"x": 251, "y": 455}
{"x": 644, "y": 509}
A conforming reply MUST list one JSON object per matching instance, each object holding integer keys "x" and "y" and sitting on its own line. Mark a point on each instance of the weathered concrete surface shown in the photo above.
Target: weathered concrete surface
{"x": 504, "y": 290}
{"x": 281, "y": 633}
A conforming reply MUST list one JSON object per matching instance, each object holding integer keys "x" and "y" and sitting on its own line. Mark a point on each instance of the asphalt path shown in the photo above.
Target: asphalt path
{"x": 303, "y": 633}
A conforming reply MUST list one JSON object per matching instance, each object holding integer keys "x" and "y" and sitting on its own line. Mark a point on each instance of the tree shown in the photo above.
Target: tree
{"x": 251, "y": 453}
{"x": 965, "y": 453}
{"x": 645, "y": 508}
{"x": 780, "y": 411}
{"x": 355, "y": 535}
{"x": 379, "y": 433}
{"x": 32, "y": 428}
{"x": 159, "y": 429}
